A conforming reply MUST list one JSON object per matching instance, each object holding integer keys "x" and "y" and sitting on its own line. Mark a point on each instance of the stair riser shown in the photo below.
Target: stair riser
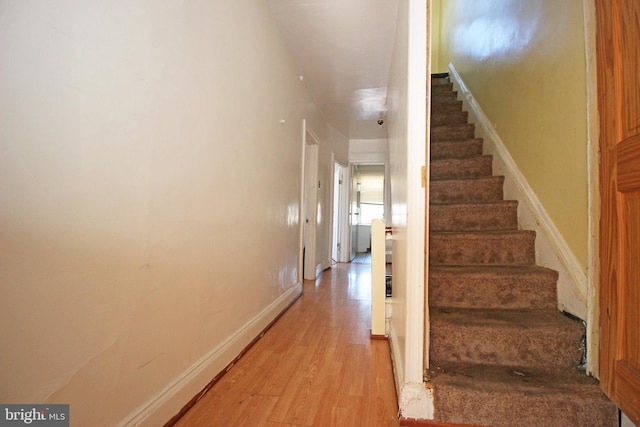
{"x": 439, "y": 80}
{"x": 543, "y": 348}
{"x": 474, "y": 217}
{"x": 517, "y": 248}
{"x": 456, "y": 149}
{"x": 440, "y": 95}
{"x": 483, "y": 407}
{"x": 452, "y": 133}
{"x": 463, "y": 191}
{"x": 446, "y": 106}
{"x": 532, "y": 291}
{"x": 453, "y": 118}
{"x": 441, "y": 87}
{"x": 471, "y": 167}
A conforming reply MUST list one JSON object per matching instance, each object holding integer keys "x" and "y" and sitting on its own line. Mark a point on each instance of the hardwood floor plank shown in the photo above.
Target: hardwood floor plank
{"x": 255, "y": 407}
{"x": 316, "y": 366}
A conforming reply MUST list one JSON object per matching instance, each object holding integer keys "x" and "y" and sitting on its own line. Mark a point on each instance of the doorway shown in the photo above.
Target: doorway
{"x": 367, "y": 203}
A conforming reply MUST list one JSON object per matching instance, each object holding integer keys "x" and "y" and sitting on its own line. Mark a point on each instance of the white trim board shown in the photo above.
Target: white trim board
{"x": 159, "y": 409}
{"x": 551, "y": 249}
{"x": 415, "y": 400}
{"x": 593, "y": 172}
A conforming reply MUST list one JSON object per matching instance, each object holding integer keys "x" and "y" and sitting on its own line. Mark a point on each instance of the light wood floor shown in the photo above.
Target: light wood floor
{"x": 316, "y": 366}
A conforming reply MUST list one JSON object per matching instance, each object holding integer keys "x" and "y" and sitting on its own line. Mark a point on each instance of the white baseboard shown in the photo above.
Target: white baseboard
{"x": 325, "y": 265}
{"x": 551, "y": 248}
{"x": 396, "y": 361}
{"x": 161, "y": 407}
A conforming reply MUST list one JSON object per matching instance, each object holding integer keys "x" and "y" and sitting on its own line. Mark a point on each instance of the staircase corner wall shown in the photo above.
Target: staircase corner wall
{"x": 551, "y": 248}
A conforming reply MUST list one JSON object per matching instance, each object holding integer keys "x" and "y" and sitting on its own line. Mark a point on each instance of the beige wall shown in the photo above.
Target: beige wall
{"x": 149, "y": 197}
{"x": 436, "y": 65}
{"x": 524, "y": 62}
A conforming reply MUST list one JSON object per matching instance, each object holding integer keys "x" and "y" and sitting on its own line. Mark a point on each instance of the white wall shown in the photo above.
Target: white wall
{"x": 407, "y": 112}
{"x": 149, "y": 198}
{"x": 368, "y": 151}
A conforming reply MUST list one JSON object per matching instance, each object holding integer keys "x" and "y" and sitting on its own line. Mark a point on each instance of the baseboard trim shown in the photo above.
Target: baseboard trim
{"x": 168, "y": 404}
{"x": 551, "y": 248}
{"x": 410, "y": 422}
{"x": 396, "y": 362}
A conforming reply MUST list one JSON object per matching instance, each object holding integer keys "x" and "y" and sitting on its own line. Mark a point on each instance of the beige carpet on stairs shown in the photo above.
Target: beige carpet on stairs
{"x": 501, "y": 353}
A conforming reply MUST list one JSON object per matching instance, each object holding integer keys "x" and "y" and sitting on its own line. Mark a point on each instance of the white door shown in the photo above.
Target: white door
{"x": 310, "y": 201}
{"x": 338, "y": 179}
{"x": 353, "y": 211}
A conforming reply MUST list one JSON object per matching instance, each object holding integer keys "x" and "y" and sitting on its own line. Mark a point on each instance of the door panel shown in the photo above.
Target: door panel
{"x": 618, "y": 53}
{"x": 354, "y": 211}
{"x": 627, "y": 31}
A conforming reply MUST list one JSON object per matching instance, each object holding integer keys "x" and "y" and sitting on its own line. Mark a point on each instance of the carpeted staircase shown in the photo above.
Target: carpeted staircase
{"x": 501, "y": 352}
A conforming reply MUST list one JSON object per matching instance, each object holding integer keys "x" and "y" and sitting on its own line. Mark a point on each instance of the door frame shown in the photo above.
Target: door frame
{"x": 352, "y": 189}
{"x": 354, "y": 215}
{"x": 593, "y": 173}
{"x": 308, "y": 201}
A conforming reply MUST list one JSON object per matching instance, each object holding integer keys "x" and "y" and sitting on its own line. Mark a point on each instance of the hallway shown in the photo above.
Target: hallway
{"x": 316, "y": 366}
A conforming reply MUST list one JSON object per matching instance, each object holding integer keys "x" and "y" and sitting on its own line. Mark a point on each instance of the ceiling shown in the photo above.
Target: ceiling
{"x": 343, "y": 49}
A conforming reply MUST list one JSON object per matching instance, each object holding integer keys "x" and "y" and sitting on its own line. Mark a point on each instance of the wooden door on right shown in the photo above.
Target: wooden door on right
{"x": 618, "y": 56}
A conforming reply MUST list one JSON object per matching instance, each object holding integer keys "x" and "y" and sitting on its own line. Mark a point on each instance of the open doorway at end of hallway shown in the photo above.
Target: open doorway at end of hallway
{"x": 368, "y": 190}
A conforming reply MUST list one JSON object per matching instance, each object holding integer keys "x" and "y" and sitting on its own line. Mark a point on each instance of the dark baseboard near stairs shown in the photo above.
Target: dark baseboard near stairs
{"x": 501, "y": 353}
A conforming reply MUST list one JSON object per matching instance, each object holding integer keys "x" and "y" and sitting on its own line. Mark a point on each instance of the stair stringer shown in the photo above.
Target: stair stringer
{"x": 551, "y": 249}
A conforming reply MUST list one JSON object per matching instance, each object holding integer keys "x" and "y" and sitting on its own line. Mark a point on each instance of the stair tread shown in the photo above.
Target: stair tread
{"x": 490, "y": 177}
{"x": 443, "y": 94}
{"x": 504, "y": 318}
{"x": 457, "y": 141}
{"x": 494, "y": 203}
{"x": 474, "y": 189}
{"x": 506, "y": 396}
{"x": 482, "y": 233}
{"x": 436, "y": 131}
{"x": 466, "y": 167}
{"x": 506, "y": 287}
{"x": 464, "y": 160}
{"x": 440, "y": 102}
{"x": 482, "y": 216}
{"x": 509, "y": 380}
{"x": 491, "y": 269}
{"x": 449, "y": 118}
{"x": 447, "y": 85}
{"x": 437, "y": 113}
{"x": 456, "y": 125}
{"x": 459, "y": 149}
